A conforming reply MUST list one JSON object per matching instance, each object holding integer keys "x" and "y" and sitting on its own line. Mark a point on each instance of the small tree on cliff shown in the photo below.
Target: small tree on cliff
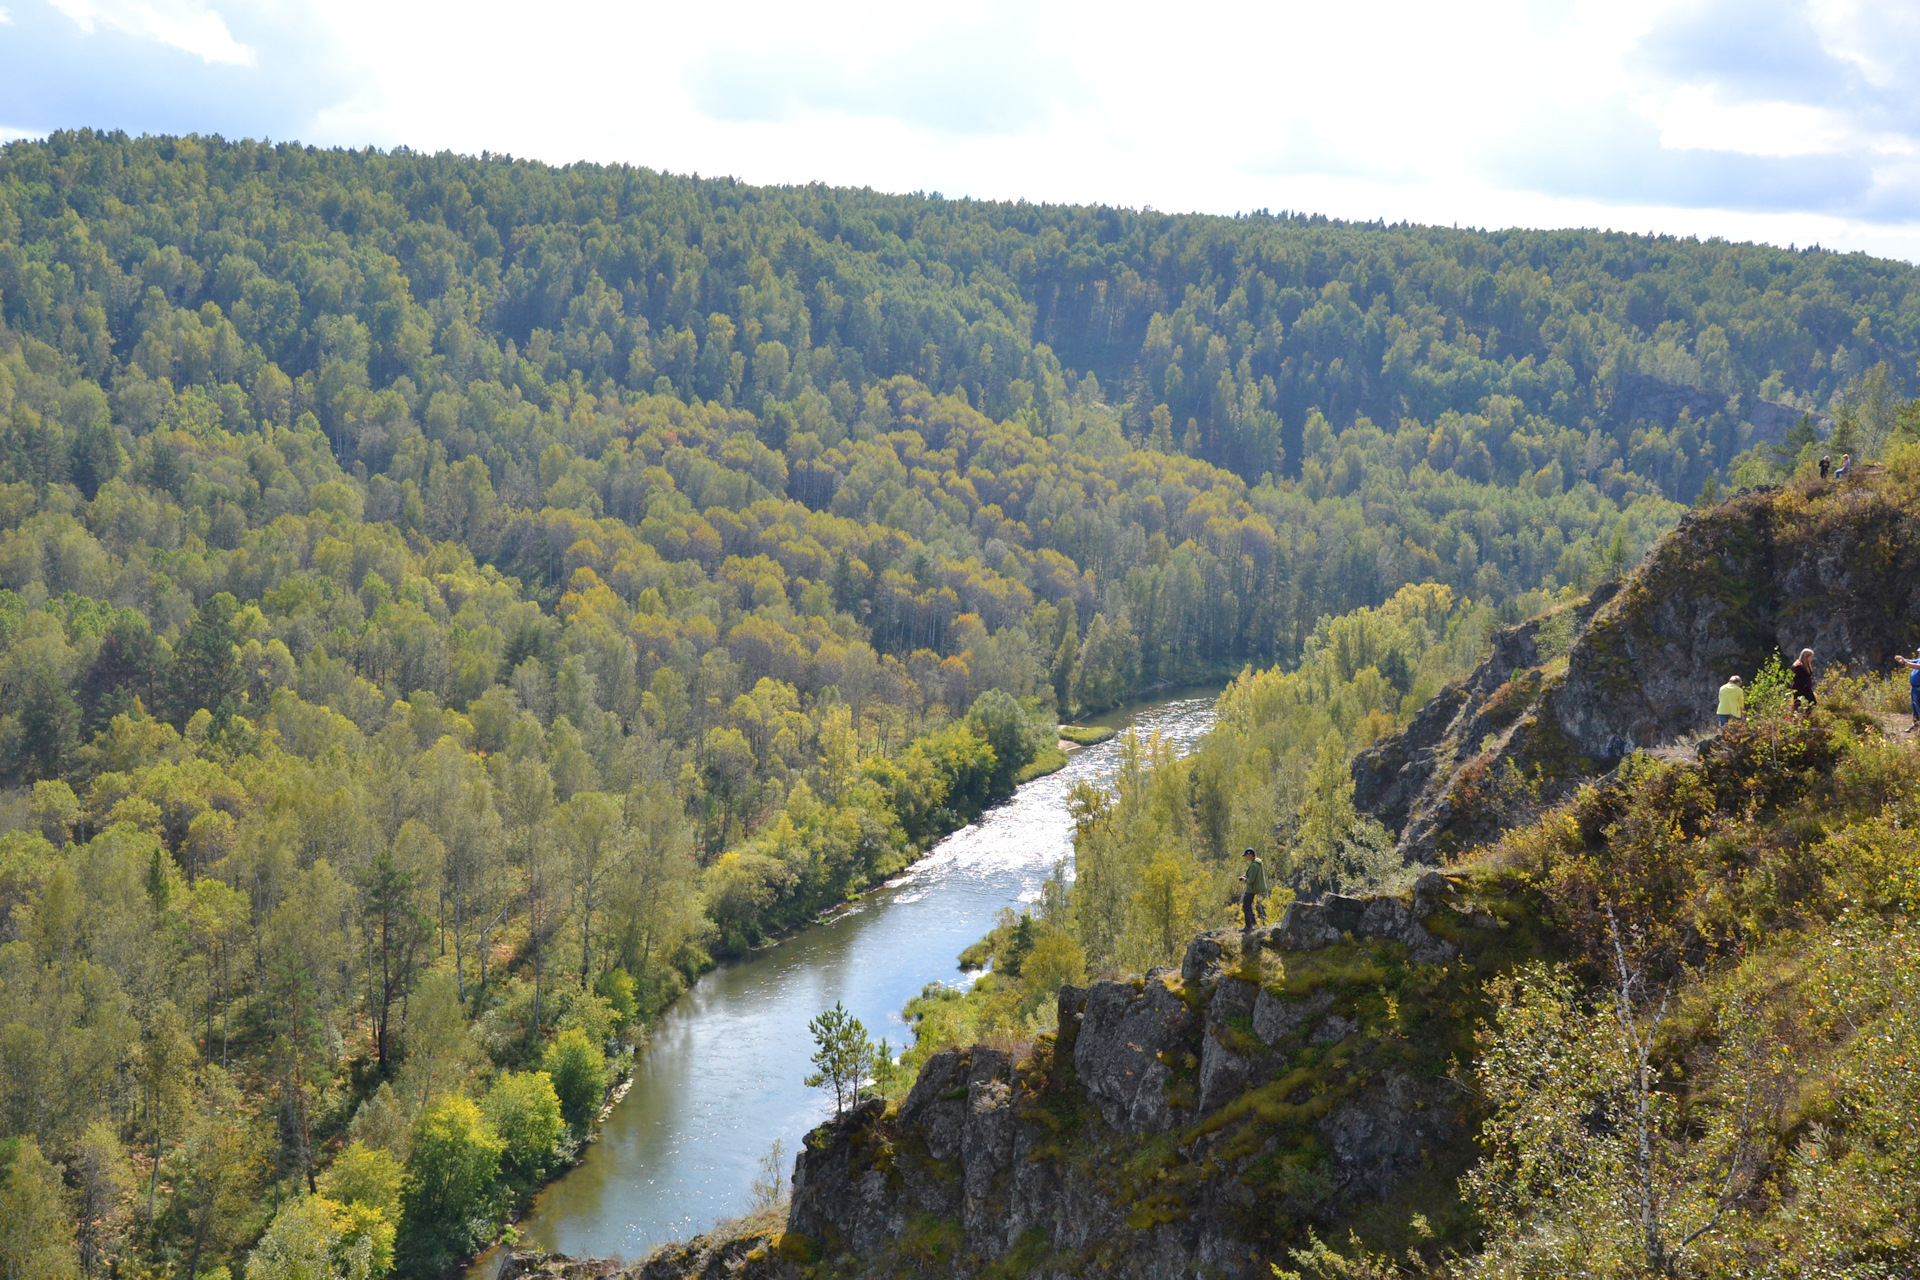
{"x": 842, "y": 1053}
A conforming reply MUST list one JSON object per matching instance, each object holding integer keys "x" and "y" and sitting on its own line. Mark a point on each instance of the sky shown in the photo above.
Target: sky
{"x": 1787, "y": 121}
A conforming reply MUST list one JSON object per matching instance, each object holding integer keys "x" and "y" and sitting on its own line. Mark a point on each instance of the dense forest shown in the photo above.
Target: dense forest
{"x": 449, "y": 600}
{"x": 1682, "y": 1032}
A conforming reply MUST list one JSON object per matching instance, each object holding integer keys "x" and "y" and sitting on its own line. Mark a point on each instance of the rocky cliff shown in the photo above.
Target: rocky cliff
{"x": 1197, "y": 1121}
{"x": 1831, "y": 567}
{"x": 1188, "y": 1122}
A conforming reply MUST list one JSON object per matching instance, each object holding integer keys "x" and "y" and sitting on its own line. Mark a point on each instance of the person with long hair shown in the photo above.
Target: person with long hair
{"x": 1802, "y": 670}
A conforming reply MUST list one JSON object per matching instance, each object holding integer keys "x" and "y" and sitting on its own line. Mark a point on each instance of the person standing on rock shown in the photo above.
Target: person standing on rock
{"x": 1733, "y": 701}
{"x": 1254, "y": 898}
{"x": 1913, "y": 686}
{"x": 1826, "y": 466}
{"x": 1802, "y": 670}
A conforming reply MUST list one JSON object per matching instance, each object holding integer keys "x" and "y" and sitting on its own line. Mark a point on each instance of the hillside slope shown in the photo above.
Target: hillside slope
{"x": 1831, "y": 567}
{"x": 1717, "y": 941}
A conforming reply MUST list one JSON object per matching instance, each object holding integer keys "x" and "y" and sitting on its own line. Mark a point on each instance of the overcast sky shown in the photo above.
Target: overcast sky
{"x": 1791, "y": 121}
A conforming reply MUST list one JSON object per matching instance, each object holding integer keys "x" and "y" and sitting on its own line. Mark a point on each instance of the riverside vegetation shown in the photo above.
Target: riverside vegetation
{"x": 448, "y": 601}
{"x": 1656, "y": 1018}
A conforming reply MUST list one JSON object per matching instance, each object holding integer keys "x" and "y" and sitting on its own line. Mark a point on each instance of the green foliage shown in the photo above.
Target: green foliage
{"x": 524, "y": 1110}
{"x": 1156, "y": 861}
{"x": 769, "y": 1188}
{"x": 1739, "y": 1004}
{"x": 1033, "y": 953}
{"x": 362, "y": 1175}
{"x": 1014, "y": 736}
{"x": 36, "y": 1236}
{"x": 742, "y": 518}
{"x": 1770, "y": 695}
{"x": 314, "y": 1238}
{"x": 842, "y": 1055}
{"x": 1636, "y": 1194}
{"x": 451, "y": 1204}
{"x": 1335, "y": 849}
{"x": 576, "y": 1070}
{"x": 617, "y": 987}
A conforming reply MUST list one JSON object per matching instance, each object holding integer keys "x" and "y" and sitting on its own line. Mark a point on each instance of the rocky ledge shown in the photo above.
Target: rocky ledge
{"x": 1563, "y": 698}
{"x": 1190, "y": 1121}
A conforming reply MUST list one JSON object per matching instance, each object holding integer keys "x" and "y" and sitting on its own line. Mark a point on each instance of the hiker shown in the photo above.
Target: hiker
{"x": 1254, "y": 899}
{"x": 1826, "y": 466}
{"x": 1846, "y": 462}
{"x": 1913, "y": 686}
{"x": 1733, "y": 701}
{"x": 1802, "y": 669}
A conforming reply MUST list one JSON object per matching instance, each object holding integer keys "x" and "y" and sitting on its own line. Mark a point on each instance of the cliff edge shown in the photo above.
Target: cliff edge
{"x": 1206, "y": 1118}
{"x": 1564, "y": 697}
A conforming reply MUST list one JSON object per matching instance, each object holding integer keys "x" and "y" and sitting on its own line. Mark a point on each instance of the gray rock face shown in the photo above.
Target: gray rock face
{"x": 1225, "y": 1070}
{"x": 976, "y": 1144}
{"x": 1765, "y": 573}
{"x": 1125, "y": 1035}
{"x": 1275, "y": 1019}
{"x": 1309, "y": 926}
{"x": 1381, "y": 1138}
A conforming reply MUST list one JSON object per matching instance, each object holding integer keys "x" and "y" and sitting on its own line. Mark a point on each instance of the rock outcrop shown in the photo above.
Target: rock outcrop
{"x": 1834, "y": 568}
{"x": 1187, "y": 1122}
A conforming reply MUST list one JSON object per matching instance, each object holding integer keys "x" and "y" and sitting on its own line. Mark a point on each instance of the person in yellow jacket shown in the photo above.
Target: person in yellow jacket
{"x": 1733, "y": 701}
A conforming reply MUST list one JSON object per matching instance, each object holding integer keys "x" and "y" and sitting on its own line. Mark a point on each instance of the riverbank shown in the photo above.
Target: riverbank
{"x": 723, "y": 1073}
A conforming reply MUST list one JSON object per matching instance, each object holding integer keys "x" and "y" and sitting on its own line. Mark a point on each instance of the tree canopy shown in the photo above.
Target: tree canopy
{"x": 445, "y": 601}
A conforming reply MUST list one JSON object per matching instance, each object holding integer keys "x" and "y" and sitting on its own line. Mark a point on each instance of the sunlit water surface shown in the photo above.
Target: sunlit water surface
{"x": 721, "y": 1078}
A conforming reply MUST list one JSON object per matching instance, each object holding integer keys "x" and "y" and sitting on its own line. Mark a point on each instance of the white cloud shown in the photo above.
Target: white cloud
{"x": 1696, "y": 117}
{"x": 1789, "y": 120}
{"x": 189, "y": 27}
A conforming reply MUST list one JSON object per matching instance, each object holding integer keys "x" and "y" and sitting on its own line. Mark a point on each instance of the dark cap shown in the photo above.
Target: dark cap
{"x": 1249, "y": 853}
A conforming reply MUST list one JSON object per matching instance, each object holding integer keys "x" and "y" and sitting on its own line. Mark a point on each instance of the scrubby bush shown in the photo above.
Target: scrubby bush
{"x": 365, "y": 1175}
{"x": 452, "y": 1201}
{"x": 524, "y": 1111}
{"x": 315, "y": 1238}
{"x": 578, "y": 1071}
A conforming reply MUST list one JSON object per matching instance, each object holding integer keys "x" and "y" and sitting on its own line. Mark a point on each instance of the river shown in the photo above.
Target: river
{"x": 720, "y": 1079}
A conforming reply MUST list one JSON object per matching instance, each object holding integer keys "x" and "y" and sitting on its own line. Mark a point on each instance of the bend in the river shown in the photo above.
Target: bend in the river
{"x": 721, "y": 1078}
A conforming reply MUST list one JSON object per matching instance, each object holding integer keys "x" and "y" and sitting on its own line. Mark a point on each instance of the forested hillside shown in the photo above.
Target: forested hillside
{"x": 1655, "y": 1015}
{"x": 448, "y": 600}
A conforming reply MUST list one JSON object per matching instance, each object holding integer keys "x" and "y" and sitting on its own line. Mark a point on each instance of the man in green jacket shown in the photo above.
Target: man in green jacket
{"x": 1255, "y": 897}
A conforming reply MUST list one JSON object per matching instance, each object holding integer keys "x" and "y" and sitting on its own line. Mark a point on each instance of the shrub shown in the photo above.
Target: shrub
{"x": 999, "y": 720}
{"x": 579, "y": 1073}
{"x": 36, "y": 1239}
{"x": 617, "y": 987}
{"x": 452, "y": 1175}
{"x": 365, "y": 1175}
{"x": 524, "y": 1111}
{"x": 315, "y": 1238}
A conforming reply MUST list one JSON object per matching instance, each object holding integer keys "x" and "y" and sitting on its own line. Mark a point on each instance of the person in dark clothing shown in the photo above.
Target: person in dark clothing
{"x": 1254, "y": 898}
{"x": 1802, "y": 670}
{"x": 1826, "y": 466}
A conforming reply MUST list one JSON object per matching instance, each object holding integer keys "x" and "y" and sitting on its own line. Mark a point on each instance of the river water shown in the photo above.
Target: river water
{"x": 721, "y": 1078}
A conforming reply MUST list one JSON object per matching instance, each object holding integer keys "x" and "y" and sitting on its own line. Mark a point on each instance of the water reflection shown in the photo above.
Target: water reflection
{"x": 721, "y": 1078}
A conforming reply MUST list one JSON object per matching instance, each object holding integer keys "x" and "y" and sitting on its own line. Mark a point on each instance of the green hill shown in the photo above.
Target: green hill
{"x": 1663, "y": 1026}
{"x": 445, "y": 602}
